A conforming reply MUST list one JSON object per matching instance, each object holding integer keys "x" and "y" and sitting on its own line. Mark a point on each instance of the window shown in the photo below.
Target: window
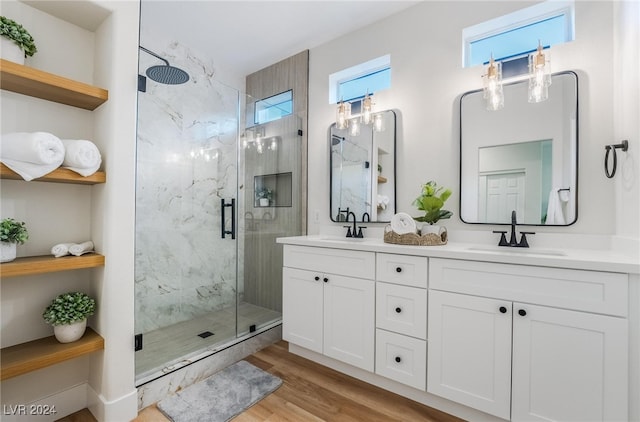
{"x": 274, "y": 108}
{"x": 517, "y": 34}
{"x": 356, "y": 81}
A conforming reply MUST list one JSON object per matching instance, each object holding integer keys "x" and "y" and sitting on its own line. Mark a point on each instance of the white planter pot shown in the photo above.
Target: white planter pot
{"x": 11, "y": 51}
{"x": 264, "y": 202}
{"x": 7, "y": 251}
{"x": 70, "y": 332}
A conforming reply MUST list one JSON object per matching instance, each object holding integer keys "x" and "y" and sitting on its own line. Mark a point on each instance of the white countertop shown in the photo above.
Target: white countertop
{"x": 581, "y": 259}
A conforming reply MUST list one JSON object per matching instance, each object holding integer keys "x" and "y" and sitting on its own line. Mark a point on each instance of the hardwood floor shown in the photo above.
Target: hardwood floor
{"x": 312, "y": 392}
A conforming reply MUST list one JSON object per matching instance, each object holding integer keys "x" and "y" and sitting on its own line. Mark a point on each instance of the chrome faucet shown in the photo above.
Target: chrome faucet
{"x": 356, "y": 231}
{"x": 512, "y": 238}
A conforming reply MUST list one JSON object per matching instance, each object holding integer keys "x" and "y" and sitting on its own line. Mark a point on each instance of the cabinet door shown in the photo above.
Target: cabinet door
{"x": 349, "y": 320}
{"x": 568, "y": 365}
{"x": 302, "y": 308}
{"x": 402, "y": 309}
{"x": 469, "y": 350}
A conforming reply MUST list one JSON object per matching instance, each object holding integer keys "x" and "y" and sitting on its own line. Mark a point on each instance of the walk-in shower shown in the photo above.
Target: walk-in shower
{"x": 207, "y": 268}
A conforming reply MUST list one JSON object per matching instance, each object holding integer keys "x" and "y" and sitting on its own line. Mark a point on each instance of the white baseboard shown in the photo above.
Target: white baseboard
{"x": 124, "y": 408}
{"x": 49, "y": 408}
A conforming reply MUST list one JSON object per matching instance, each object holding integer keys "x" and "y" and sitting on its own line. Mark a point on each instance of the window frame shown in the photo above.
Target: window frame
{"x": 515, "y": 20}
{"x": 355, "y": 72}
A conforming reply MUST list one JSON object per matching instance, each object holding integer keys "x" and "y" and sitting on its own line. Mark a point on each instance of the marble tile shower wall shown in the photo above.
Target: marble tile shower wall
{"x": 186, "y": 162}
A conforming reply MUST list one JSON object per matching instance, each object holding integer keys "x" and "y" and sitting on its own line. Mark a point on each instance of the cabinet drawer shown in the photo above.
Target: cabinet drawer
{"x": 401, "y": 358}
{"x": 591, "y": 291}
{"x": 402, "y": 309}
{"x": 402, "y": 269}
{"x": 335, "y": 261}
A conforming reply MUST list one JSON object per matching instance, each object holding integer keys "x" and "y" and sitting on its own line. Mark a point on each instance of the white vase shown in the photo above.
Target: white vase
{"x": 264, "y": 202}
{"x": 432, "y": 228}
{"x": 7, "y": 251}
{"x": 70, "y": 332}
{"x": 11, "y": 51}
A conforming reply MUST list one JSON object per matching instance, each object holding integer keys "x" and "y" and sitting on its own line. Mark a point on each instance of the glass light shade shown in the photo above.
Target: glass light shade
{"x": 367, "y": 109}
{"x": 493, "y": 93}
{"x": 343, "y": 113}
{"x": 539, "y": 76}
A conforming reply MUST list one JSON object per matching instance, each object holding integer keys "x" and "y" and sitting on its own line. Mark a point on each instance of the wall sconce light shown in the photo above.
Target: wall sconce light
{"x": 343, "y": 113}
{"x": 539, "y": 76}
{"x": 367, "y": 109}
{"x": 493, "y": 93}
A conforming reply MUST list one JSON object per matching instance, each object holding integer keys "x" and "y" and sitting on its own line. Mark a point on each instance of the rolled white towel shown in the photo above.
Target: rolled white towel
{"x": 61, "y": 249}
{"x": 81, "y": 156}
{"x": 81, "y": 248}
{"x": 31, "y": 154}
{"x": 403, "y": 223}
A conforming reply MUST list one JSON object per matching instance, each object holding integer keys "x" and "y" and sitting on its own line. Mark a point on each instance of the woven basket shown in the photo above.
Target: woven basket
{"x": 427, "y": 239}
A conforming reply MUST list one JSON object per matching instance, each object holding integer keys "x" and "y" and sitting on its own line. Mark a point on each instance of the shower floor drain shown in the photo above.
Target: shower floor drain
{"x": 205, "y": 334}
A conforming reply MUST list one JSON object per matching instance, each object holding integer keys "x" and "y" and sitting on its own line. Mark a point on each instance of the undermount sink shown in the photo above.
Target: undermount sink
{"x": 522, "y": 251}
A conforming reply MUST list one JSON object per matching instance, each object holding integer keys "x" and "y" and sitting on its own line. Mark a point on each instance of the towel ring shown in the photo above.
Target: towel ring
{"x": 623, "y": 146}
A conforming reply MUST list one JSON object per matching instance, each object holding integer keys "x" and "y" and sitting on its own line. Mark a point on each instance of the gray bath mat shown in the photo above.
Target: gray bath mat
{"x": 222, "y": 396}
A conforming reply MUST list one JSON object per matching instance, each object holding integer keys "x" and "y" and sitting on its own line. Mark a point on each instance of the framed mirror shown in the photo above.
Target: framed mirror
{"x": 362, "y": 171}
{"x": 523, "y": 157}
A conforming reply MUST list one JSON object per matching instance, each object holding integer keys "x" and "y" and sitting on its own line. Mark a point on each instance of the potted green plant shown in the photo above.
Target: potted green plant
{"x": 17, "y": 43}
{"x": 68, "y": 314}
{"x": 431, "y": 200}
{"x": 264, "y": 196}
{"x": 12, "y": 232}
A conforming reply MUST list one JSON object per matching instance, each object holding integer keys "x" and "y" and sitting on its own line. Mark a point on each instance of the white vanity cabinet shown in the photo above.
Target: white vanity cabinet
{"x": 529, "y": 343}
{"x": 328, "y": 303}
{"x": 401, "y": 318}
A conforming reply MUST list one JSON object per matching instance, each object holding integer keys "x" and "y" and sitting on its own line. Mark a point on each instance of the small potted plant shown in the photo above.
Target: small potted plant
{"x": 12, "y": 232}
{"x": 431, "y": 200}
{"x": 264, "y": 196}
{"x": 17, "y": 43}
{"x": 68, "y": 314}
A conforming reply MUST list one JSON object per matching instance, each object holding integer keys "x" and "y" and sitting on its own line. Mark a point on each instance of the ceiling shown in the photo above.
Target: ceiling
{"x": 249, "y": 35}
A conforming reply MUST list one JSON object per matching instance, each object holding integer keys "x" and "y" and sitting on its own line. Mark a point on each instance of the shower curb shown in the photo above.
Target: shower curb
{"x": 156, "y": 389}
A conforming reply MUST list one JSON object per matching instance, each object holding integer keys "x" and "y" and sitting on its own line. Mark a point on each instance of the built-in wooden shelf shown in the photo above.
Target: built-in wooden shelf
{"x": 37, "y": 83}
{"x": 26, "y": 357}
{"x": 48, "y": 264}
{"x": 59, "y": 175}
{"x": 382, "y": 179}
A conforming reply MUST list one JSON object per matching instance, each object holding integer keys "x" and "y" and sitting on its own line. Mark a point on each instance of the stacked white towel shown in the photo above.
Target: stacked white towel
{"x": 403, "y": 223}
{"x": 77, "y": 249}
{"x": 81, "y": 156}
{"x": 31, "y": 155}
{"x": 81, "y": 248}
{"x": 61, "y": 249}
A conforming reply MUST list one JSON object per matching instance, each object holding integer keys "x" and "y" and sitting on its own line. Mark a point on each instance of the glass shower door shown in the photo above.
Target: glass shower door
{"x": 185, "y": 269}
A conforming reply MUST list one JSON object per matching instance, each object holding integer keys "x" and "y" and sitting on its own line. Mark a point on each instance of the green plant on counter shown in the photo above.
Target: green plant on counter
{"x": 13, "y": 231}
{"x": 264, "y": 193}
{"x": 68, "y": 308}
{"x": 431, "y": 200}
{"x": 18, "y": 34}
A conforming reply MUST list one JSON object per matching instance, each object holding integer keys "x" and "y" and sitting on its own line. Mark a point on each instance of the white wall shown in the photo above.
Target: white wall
{"x": 425, "y": 45}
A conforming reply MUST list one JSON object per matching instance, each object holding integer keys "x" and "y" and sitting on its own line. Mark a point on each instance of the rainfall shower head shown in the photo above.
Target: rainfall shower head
{"x": 165, "y": 74}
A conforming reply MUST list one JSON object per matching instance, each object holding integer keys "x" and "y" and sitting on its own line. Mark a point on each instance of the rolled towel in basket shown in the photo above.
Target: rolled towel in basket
{"x": 403, "y": 223}
{"x": 31, "y": 154}
{"x": 61, "y": 249}
{"x": 81, "y": 156}
{"x": 81, "y": 248}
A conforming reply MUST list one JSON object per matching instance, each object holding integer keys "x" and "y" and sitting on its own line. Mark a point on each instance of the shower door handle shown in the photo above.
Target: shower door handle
{"x": 224, "y": 205}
